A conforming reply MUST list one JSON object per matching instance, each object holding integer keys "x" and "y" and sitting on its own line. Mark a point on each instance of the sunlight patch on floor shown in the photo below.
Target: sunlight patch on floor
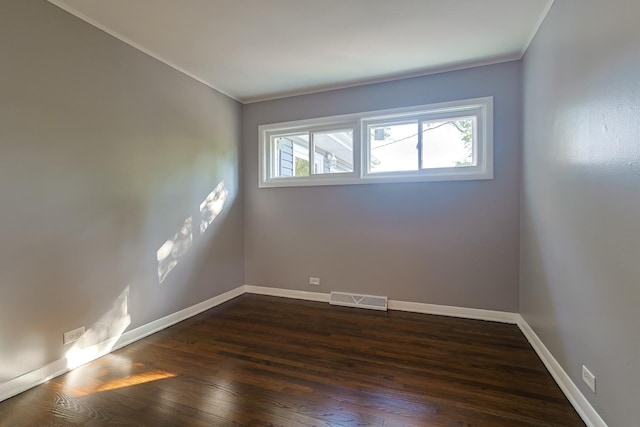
{"x": 128, "y": 381}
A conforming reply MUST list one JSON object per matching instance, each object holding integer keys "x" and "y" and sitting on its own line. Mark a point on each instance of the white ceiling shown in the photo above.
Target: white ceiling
{"x": 262, "y": 49}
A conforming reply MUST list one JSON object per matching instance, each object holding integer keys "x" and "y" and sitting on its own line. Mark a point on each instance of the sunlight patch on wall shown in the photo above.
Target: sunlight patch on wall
{"x": 175, "y": 248}
{"x": 103, "y": 335}
{"x": 212, "y": 205}
{"x": 172, "y": 250}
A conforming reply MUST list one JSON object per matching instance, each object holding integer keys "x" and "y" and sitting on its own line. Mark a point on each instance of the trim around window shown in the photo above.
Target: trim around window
{"x": 449, "y": 141}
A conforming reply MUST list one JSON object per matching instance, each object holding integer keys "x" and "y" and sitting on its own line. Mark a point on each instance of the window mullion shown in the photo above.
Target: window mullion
{"x": 360, "y": 149}
{"x": 274, "y": 160}
{"x": 419, "y": 145}
{"x": 312, "y": 149}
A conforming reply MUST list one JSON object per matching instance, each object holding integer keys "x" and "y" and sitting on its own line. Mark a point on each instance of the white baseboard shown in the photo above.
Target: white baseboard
{"x": 287, "y": 293}
{"x": 578, "y": 400}
{"x": 415, "y": 307}
{"x": 170, "y": 320}
{"x": 31, "y": 379}
{"x": 588, "y": 414}
{"x": 446, "y": 310}
{"x": 54, "y": 369}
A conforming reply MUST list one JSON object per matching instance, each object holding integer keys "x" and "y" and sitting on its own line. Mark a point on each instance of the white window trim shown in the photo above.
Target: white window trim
{"x": 480, "y": 107}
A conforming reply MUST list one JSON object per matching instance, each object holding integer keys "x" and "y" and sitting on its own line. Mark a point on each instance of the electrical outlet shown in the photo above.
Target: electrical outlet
{"x": 314, "y": 281}
{"x": 589, "y": 378}
{"x": 71, "y": 336}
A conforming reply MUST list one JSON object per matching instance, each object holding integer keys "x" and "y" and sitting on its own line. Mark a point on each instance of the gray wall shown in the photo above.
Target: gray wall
{"x": 580, "y": 270}
{"x": 104, "y": 153}
{"x": 453, "y": 243}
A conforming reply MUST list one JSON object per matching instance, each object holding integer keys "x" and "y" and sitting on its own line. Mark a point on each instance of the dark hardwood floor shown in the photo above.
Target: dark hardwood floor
{"x": 266, "y": 361}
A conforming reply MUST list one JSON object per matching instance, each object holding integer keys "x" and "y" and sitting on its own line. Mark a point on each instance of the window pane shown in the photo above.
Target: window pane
{"x": 333, "y": 151}
{"x": 448, "y": 143}
{"x": 394, "y": 147}
{"x": 291, "y": 155}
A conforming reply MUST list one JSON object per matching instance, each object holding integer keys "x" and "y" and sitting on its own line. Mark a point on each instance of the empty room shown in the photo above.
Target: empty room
{"x": 320, "y": 213}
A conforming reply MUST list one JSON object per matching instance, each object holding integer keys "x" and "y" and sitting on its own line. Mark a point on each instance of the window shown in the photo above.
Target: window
{"x": 330, "y": 152}
{"x": 449, "y": 141}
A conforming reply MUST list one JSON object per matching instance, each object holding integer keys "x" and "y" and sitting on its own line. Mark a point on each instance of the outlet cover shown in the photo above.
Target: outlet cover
{"x": 314, "y": 281}
{"x": 71, "y": 336}
{"x": 589, "y": 378}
